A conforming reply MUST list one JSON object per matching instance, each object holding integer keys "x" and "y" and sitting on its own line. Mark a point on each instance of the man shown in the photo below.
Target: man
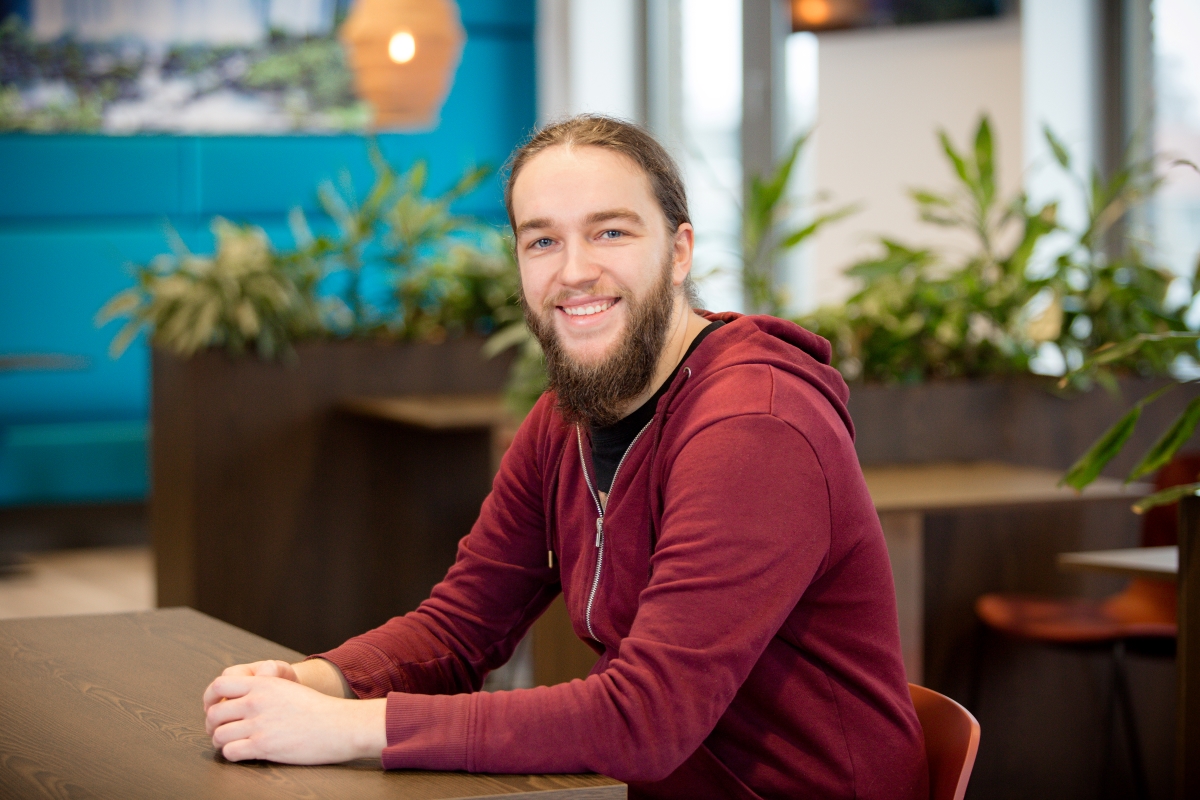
{"x": 689, "y": 483}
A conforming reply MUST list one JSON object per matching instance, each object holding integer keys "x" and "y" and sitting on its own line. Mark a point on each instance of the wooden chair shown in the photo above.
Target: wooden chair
{"x": 951, "y": 742}
{"x": 1144, "y": 610}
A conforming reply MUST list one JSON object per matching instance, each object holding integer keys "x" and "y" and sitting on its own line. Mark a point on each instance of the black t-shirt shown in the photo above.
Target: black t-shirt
{"x": 610, "y": 442}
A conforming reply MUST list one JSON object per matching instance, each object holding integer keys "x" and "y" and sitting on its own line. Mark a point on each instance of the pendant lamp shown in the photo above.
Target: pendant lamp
{"x": 403, "y": 54}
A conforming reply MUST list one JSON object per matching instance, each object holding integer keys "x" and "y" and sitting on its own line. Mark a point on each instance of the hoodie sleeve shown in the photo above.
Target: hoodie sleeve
{"x": 746, "y": 527}
{"x": 499, "y": 584}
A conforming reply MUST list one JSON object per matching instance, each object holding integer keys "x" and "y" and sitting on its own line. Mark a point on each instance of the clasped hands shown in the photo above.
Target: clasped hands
{"x": 291, "y": 714}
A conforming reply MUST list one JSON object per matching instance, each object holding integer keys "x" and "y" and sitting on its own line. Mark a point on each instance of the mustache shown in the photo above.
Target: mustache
{"x": 563, "y": 296}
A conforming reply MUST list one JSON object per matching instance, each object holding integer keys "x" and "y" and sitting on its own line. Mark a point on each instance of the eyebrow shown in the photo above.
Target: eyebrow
{"x": 591, "y": 219}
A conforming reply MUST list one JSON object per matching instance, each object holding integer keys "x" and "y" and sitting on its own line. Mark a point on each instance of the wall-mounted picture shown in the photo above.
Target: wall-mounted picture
{"x": 225, "y": 66}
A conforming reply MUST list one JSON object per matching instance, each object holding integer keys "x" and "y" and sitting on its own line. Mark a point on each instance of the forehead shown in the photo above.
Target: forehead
{"x": 564, "y": 179}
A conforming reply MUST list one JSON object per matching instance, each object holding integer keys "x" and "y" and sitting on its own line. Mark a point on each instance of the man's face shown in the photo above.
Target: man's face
{"x": 591, "y": 241}
{"x": 600, "y": 275}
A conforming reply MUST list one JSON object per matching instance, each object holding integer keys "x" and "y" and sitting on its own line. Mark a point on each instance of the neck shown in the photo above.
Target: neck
{"x": 686, "y": 324}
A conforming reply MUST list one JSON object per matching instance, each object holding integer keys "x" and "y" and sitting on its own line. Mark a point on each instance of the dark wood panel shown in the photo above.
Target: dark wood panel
{"x": 275, "y": 511}
{"x": 109, "y": 706}
{"x": 559, "y": 656}
{"x": 1187, "y": 653}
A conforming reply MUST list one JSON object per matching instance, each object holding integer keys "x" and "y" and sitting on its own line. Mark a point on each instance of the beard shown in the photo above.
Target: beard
{"x": 597, "y": 393}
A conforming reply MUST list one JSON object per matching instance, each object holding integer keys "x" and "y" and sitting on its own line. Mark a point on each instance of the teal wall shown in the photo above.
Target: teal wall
{"x": 75, "y": 210}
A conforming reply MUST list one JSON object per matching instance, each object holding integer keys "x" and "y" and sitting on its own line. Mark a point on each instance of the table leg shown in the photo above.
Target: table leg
{"x": 904, "y": 532}
{"x": 1187, "y": 652}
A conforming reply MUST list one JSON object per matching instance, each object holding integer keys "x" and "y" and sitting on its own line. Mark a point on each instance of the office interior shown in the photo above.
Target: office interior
{"x": 116, "y": 466}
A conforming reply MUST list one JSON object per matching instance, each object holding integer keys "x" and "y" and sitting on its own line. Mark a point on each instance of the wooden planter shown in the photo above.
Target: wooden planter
{"x": 1020, "y": 420}
{"x": 275, "y": 511}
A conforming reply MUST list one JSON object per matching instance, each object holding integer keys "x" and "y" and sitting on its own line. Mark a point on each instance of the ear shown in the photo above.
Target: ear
{"x": 681, "y": 251}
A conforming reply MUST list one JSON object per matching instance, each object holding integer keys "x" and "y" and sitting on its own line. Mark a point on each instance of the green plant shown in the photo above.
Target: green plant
{"x": 921, "y": 314}
{"x": 766, "y": 234}
{"x": 244, "y": 296}
{"x": 1109, "y": 445}
{"x": 399, "y": 265}
{"x": 396, "y": 247}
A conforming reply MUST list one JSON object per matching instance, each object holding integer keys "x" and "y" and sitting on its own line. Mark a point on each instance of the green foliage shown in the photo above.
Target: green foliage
{"x": 920, "y": 315}
{"x": 435, "y": 275}
{"x": 766, "y": 235}
{"x": 244, "y": 296}
{"x": 87, "y": 75}
{"x": 414, "y": 244}
{"x": 923, "y": 314}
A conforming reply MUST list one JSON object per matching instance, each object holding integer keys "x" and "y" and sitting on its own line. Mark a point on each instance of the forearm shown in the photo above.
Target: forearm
{"x": 324, "y": 677}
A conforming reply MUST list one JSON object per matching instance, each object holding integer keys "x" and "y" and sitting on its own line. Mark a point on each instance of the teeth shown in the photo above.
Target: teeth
{"x": 587, "y": 311}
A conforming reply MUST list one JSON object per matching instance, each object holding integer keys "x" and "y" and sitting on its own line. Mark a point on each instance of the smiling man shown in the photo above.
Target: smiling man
{"x": 689, "y": 483}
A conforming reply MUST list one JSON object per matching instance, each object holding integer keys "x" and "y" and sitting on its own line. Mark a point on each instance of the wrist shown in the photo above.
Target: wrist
{"x": 370, "y": 728}
{"x": 323, "y": 676}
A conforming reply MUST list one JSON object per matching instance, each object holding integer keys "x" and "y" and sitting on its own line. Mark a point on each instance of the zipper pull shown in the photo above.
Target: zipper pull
{"x": 599, "y": 529}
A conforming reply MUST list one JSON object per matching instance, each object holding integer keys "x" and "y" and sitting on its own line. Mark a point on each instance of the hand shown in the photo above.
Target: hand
{"x": 266, "y": 669}
{"x": 280, "y": 720}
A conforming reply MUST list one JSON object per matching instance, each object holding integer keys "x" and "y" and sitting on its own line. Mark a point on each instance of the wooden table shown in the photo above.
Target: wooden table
{"x": 108, "y": 706}
{"x": 1161, "y": 563}
{"x": 904, "y": 494}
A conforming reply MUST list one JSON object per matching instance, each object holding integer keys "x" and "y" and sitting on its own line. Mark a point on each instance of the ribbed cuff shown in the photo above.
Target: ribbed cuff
{"x": 427, "y": 731}
{"x": 368, "y": 671}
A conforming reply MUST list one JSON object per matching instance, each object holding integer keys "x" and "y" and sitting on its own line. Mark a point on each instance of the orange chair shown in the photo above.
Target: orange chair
{"x": 1145, "y": 610}
{"x": 951, "y": 742}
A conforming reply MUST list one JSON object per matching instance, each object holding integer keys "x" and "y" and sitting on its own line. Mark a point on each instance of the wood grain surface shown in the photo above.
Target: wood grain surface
{"x": 981, "y": 484}
{"x": 108, "y": 706}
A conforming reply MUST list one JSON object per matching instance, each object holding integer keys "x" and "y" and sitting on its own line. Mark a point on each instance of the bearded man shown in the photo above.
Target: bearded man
{"x": 689, "y": 483}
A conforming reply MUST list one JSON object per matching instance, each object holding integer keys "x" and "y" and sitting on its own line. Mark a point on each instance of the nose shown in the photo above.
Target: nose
{"x": 580, "y": 269}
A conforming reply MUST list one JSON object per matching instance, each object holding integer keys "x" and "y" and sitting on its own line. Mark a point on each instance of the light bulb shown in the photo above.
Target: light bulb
{"x": 813, "y": 12}
{"x": 402, "y": 47}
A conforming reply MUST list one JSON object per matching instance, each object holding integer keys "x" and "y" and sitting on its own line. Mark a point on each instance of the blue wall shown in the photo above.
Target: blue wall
{"x": 75, "y": 210}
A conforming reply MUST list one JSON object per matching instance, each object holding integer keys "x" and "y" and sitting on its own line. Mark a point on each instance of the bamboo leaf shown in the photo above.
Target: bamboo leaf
{"x": 1165, "y": 497}
{"x": 1061, "y": 154}
{"x": 1093, "y": 462}
{"x": 1168, "y": 445}
{"x": 960, "y": 165}
{"x": 985, "y": 161}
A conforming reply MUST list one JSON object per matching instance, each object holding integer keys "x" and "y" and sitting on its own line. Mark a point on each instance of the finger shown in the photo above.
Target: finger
{"x": 231, "y": 732}
{"x": 270, "y": 669}
{"x": 221, "y": 713}
{"x": 240, "y": 750}
{"x": 239, "y": 669}
{"x": 227, "y": 688}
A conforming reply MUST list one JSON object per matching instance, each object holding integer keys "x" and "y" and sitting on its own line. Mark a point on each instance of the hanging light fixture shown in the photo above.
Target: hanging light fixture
{"x": 404, "y": 54}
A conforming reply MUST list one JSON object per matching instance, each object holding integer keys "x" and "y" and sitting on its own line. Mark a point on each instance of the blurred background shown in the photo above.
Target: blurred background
{"x": 968, "y": 197}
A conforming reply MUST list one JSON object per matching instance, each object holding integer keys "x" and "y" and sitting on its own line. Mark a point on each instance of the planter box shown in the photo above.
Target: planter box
{"x": 1020, "y": 420}
{"x": 272, "y": 510}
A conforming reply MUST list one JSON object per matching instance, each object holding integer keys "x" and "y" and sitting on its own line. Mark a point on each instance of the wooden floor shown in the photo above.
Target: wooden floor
{"x": 85, "y": 581}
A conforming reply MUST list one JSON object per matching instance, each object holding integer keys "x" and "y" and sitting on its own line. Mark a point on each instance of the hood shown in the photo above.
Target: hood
{"x": 784, "y": 345}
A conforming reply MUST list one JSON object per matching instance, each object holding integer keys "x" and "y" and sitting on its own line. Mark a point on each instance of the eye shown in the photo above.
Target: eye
{"x": 612, "y": 234}
{"x": 541, "y": 243}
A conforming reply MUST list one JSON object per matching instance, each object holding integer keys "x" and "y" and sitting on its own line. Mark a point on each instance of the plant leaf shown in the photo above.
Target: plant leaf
{"x": 1061, "y": 154}
{"x": 1168, "y": 445}
{"x": 960, "y": 165}
{"x": 1165, "y": 497}
{"x": 1093, "y": 462}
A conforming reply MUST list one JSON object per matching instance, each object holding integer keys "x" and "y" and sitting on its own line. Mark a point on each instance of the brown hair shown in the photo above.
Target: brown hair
{"x": 631, "y": 141}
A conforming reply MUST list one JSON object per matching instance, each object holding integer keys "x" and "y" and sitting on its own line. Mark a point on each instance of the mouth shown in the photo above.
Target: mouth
{"x": 589, "y": 309}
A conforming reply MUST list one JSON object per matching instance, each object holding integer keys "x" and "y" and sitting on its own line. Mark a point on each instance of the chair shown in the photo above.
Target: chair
{"x": 1145, "y": 610}
{"x": 951, "y": 742}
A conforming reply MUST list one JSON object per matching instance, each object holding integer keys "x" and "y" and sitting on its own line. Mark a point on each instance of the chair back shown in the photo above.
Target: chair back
{"x": 951, "y": 742}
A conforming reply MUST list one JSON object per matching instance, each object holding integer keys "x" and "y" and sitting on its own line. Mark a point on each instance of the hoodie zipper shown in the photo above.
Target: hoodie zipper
{"x": 600, "y": 517}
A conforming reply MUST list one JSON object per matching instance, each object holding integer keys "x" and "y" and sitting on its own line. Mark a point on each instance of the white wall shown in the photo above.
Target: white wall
{"x": 882, "y": 96}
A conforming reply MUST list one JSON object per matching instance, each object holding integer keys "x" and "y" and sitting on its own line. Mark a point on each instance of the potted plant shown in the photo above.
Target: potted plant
{"x": 271, "y": 508}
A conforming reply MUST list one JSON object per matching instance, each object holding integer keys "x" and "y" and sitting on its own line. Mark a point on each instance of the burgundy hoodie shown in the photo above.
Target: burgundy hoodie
{"x": 738, "y": 593}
